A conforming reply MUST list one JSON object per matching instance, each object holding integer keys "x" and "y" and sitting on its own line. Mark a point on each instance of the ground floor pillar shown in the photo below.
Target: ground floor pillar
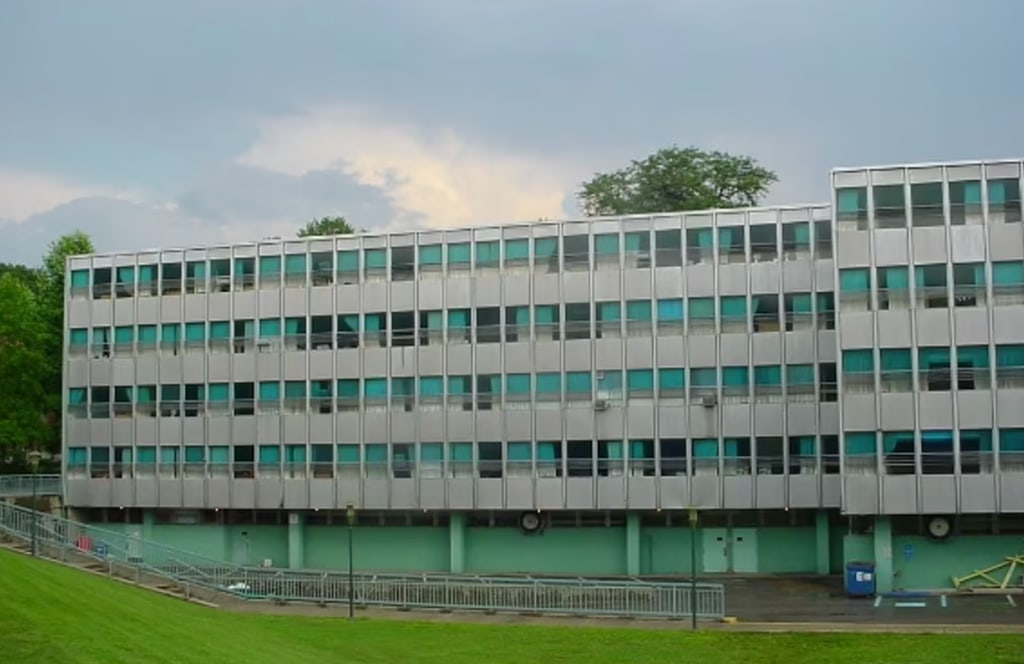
{"x": 296, "y": 540}
{"x": 457, "y": 542}
{"x": 632, "y": 544}
{"x": 822, "y": 543}
{"x": 883, "y": 554}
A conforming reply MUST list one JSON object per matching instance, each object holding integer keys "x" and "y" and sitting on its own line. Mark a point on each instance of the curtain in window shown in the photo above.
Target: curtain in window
{"x": 606, "y": 244}
{"x": 517, "y": 250}
{"x": 933, "y": 357}
{"x": 377, "y": 259}
{"x": 172, "y": 331}
{"x": 430, "y": 254}
{"x": 896, "y": 278}
{"x": 545, "y": 314}
{"x": 895, "y": 359}
{"x": 348, "y": 261}
{"x": 123, "y": 335}
{"x": 488, "y": 253}
{"x": 702, "y": 308}
{"x": 1011, "y": 440}
{"x": 579, "y": 381}
{"x": 549, "y": 383}
{"x": 220, "y": 329}
{"x": 80, "y": 278}
{"x": 735, "y": 376}
{"x": 79, "y": 337}
{"x": 858, "y": 361}
{"x": 854, "y": 280}
{"x": 802, "y": 234}
{"x": 996, "y": 193}
{"x": 704, "y": 377}
{"x": 270, "y": 328}
{"x": 458, "y": 318}
{"x": 672, "y": 379}
{"x": 348, "y": 388}
{"x": 219, "y": 454}
{"x": 670, "y": 310}
{"x": 145, "y": 394}
{"x": 802, "y": 303}
{"x": 431, "y": 452}
{"x": 270, "y": 390}
{"x": 545, "y": 248}
{"x": 768, "y": 375}
{"x": 640, "y": 380}
{"x": 126, "y": 275}
{"x": 861, "y": 443}
{"x": 195, "y": 454}
{"x": 517, "y": 383}
{"x": 520, "y": 452}
{"x": 402, "y": 387}
{"x": 270, "y": 265}
{"x": 459, "y": 253}
{"x": 848, "y": 201}
{"x": 270, "y": 454}
{"x": 1010, "y": 356}
{"x": 461, "y": 452}
{"x": 800, "y": 374}
{"x": 194, "y": 332}
{"x": 295, "y": 454}
{"x": 372, "y": 323}
{"x": 609, "y": 311}
{"x": 348, "y": 453}
{"x": 725, "y": 236}
{"x": 101, "y": 335}
{"x": 1009, "y": 273}
{"x": 147, "y": 334}
{"x": 972, "y": 193}
{"x": 295, "y": 264}
{"x": 637, "y": 242}
{"x": 147, "y": 274}
{"x": 638, "y": 310}
{"x": 432, "y": 386}
{"x": 972, "y": 356}
{"x": 705, "y": 448}
{"x": 548, "y": 451}
{"x": 375, "y": 388}
{"x": 218, "y": 392}
{"x": 734, "y": 306}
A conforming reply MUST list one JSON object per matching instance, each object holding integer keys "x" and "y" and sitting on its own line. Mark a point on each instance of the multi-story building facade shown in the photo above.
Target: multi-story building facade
{"x": 821, "y": 386}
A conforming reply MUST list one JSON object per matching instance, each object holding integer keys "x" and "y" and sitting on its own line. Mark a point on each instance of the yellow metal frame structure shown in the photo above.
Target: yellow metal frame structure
{"x": 988, "y": 575}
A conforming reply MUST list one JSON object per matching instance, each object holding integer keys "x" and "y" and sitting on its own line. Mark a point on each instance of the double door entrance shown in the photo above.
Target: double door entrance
{"x": 729, "y": 550}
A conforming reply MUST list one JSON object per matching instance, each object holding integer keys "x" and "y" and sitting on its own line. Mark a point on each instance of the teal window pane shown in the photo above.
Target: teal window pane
{"x": 99, "y": 455}
{"x": 606, "y": 244}
{"x": 270, "y": 390}
{"x": 802, "y": 234}
{"x": 704, "y": 377}
{"x": 545, "y": 248}
{"x": 461, "y": 452}
{"x": 270, "y": 266}
{"x": 195, "y": 332}
{"x": 670, "y": 310}
{"x": 80, "y": 278}
{"x": 517, "y": 384}
{"x": 270, "y": 328}
{"x": 860, "y": 444}
{"x": 348, "y": 388}
{"x": 295, "y": 389}
{"x": 295, "y": 454}
{"x": 701, "y": 308}
{"x": 895, "y": 359}
{"x": 1008, "y": 273}
{"x": 376, "y": 259}
{"x": 548, "y": 451}
{"x": 735, "y": 376}
{"x": 768, "y": 375}
{"x": 459, "y": 253}
{"x": 895, "y": 278}
{"x": 348, "y": 260}
{"x": 638, "y": 310}
{"x": 348, "y": 453}
{"x": 458, "y": 318}
{"x": 850, "y": 200}
{"x": 996, "y": 192}
{"x": 726, "y": 237}
{"x": 435, "y": 320}
{"x": 79, "y": 336}
{"x": 545, "y": 314}
{"x": 147, "y": 334}
{"x": 169, "y": 456}
{"x": 549, "y": 383}
{"x": 640, "y": 380}
{"x": 430, "y": 254}
{"x": 802, "y": 303}
{"x": 295, "y": 264}
{"x": 1010, "y": 356}
{"x": 76, "y": 396}
{"x": 218, "y": 392}
{"x": 579, "y": 381}
{"x": 928, "y": 358}
{"x": 734, "y": 306}
{"x": 641, "y": 449}
{"x": 609, "y": 311}
{"x": 172, "y": 331}
{"x": 375, "y": 387}
{"x": 705, "y": 448}
{"x": 854, "y": 280}
{"x": 521, "y": 452}
{"x": 488, "y": 253}
{"x": 705, "y": 238}
{"x": 219, "y": 454}
{"x": 800, "y": 374}
{"x": 1011, "y": 440}
{"x": 432, "y": 452}
{"x": 294, "y": 326}
{"x": 975, "y": 357}
{"x": 145, "y": 394}
{"x": 671, "y": 379}
{"x": 517, "y": 250}
{"x": 126, "y": 275}
{"x": 270, "y": 454}
{"x": 123, "y": 334}
{"x": 972, "y": 193}
{"x": 195, "y": 454}
{"x": 858, "y": 361}
{"x": 431, "y": 386}
{"x": 220, "y": 330}
{"x": 147, "y": 274}
{"x": 612, "y": 450}
{"x": 146, "y": 454}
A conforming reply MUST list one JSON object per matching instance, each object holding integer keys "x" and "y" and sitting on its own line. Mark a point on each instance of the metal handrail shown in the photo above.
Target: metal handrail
{"x": 58, "y": 537}
{"x": 12, "y": 486}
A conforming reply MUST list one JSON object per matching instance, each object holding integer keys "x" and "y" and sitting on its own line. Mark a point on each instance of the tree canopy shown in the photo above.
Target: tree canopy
{"x": 675, "y": 179}
{"x": 327, "y": 226}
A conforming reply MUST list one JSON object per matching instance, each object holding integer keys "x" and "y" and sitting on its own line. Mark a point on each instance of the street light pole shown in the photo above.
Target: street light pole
{"x": 350, "y": 517}
{"x": 33, "y": 459}
{"x": 693, "y": 569}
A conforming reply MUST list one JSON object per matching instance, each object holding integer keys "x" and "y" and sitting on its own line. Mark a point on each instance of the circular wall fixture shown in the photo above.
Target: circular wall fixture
{"x": 939, "y": 527}
{"x": 530, "y": 522}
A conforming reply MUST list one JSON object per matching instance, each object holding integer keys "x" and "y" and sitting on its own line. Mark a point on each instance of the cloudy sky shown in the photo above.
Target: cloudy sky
{"x": 150, "y": 123}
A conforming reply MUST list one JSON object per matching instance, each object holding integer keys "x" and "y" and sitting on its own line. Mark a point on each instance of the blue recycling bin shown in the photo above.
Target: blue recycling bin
{"x": 860, "y": 579}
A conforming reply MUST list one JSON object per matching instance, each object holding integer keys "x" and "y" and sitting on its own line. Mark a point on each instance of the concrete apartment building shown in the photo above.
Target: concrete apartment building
{"x": 823, "y": 383}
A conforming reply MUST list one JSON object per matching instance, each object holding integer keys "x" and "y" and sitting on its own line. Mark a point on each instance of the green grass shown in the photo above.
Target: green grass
{"x": 53, "y": 614}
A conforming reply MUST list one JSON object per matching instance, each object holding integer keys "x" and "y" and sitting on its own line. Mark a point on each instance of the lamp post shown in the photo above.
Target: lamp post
{"x": 693, "y": 568}
{"x": 350, "y": 517}
{"x": 33, "y": 460}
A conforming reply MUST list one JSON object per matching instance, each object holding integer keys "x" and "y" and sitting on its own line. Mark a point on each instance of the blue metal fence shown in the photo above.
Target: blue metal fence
{"x": 20, "y": 486}
{"x": 60, "y": 538}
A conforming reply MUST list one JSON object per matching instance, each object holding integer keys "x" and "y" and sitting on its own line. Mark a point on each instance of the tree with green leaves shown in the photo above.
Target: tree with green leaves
{"x": 675, "y": 179}
{"x": 24, "y": 366}
{"x": 327, "y": 226}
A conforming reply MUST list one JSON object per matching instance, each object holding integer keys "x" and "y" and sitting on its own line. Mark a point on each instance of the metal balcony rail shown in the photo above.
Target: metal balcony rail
{"x": 18, "y": 486}
{"x": 64, "y": 539}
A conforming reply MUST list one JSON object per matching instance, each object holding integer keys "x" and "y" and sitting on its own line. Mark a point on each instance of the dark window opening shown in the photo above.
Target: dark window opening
{"x": 403, "y": 328}
{"x": 668, "y": 248}
{"x": 403, "y": 263}
{"x": 170, "y": 278}
{"x": 580, "y": 458}
{"x": 488, "y": 325}
{"x": 577, "y": 320}
{"x": 245, "y": 399}
{"x": 490, "y": 460}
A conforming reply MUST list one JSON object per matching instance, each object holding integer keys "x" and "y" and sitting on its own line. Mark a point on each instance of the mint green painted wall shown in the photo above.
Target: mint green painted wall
{"x": 264, "y": 542}
{"x": 835, "y": 549}
{"x": 858, "y": 548}
{"x": 209, "y": 541}
{"x": 378, "y": 549}
{"x": 933, "y": 563}
{"x": 667, "y": 551}
{"x": 577, "y": 551}
{"x": 787, "y": 550}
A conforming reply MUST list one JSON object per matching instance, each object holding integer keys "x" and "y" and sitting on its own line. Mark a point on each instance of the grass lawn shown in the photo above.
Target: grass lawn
{"x": 49, "y": 613}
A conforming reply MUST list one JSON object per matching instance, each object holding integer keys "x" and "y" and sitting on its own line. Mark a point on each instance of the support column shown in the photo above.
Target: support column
{"x": 148, "y": 519}
{"x": 632, "y": 544}
{"x": 457, "y": 542}
{"x": 822, "y": 543}
{"x": 883, "y": 554}
{"x": 296, "y": 540}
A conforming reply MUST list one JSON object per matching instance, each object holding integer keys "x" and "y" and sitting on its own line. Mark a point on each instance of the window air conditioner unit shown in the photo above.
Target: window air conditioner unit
{"x": 709, "y": 400}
